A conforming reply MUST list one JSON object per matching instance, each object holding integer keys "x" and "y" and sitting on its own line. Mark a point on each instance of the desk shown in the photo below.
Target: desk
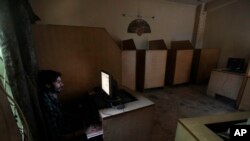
{"x": 225, "y": 83}
{"x": 133, "y": 123}
{"x": 194, "y": 129}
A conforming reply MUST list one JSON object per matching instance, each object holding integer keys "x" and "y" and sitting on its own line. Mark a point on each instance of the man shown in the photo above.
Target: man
{"x": 50, "y": 85}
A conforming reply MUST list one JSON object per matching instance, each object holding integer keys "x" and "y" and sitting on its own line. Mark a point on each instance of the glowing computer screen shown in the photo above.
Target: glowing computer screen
{"x": 105, "y": 80}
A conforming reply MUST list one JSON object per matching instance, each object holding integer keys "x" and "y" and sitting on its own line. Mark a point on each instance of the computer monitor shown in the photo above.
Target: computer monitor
{"x": 106, "y": 83}
{"x": 236, "y": 64}
{"x": 114, "y": 96}
{"x": 109, "y": 86}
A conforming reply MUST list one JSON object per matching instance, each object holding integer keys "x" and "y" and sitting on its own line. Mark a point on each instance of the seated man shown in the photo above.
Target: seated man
{"x": 60, "y": 128}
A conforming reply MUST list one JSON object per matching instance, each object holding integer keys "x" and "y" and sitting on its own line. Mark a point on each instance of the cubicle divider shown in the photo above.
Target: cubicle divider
{"x": 157, "y": 66}
{"x": 79, "y": 53}
{"x": 204, "y": 61}
{"x": 179, "y": 63}
{"x": 151, "y": 65}
{"x": 128, "y": 64}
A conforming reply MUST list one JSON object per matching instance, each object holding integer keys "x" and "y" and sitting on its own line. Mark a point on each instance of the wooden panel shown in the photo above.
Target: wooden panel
{"x": 157, "y": 45}
{"x": 79, "y": 53}
{"x": 195, "y": 65}
{"x": 244, "y": 102}
{"x": 186, "y": 44}
{"x": 225, "y": 83}
{"x": 183, "y": 66}
{"x": 129, "y": 69}
{"x": 197, "y": 128}
{"x": 183, "y": 134}
{"x": 207, "y": 62}
{"x": 170, "y": 69}
{"x": 128, "y": 45}
{"x": 132, "y": 126}
{"x": 140, "y": 69}
{"x": 155, "y": 65}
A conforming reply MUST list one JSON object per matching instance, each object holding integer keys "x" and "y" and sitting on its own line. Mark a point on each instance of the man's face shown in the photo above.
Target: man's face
{"x": 58, "y": 84}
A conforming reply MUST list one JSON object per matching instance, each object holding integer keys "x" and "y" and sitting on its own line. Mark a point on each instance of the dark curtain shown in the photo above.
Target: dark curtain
{"x": 16, "y": 42}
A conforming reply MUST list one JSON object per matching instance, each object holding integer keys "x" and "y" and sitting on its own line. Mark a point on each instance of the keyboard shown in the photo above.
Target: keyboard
{"x": 125, "y": 96}
{"x": 102, "y": 101}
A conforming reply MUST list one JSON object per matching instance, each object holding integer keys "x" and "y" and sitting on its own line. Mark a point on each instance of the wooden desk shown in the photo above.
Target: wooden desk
{"x": 194, "y": 129}
{"x": 225, "y": 83}
{"x": 244, "y": 97}
{"x": 133, "y": 123}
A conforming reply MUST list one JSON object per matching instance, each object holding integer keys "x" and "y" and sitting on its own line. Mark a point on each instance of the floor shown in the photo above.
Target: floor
{"x": 172, "y": 103}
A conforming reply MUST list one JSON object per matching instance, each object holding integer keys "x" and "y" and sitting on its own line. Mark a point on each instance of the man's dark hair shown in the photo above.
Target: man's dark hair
{"x": 46, "y": 77}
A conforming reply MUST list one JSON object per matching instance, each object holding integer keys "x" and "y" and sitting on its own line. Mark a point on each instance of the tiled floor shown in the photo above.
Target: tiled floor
{"x": 181, "y": 102}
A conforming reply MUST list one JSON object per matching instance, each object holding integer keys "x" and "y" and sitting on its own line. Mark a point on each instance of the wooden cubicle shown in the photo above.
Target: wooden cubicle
{"x": 79, "y": 53}
{"x": 179, "y": 62}
{"x": 128, "y": 64}
{"x": 151, "y": 65}
{"x": 133, "y": 123}
{"x": 204, "y": 61}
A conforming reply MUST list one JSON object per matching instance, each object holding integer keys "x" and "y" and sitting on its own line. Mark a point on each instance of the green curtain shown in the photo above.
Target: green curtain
{"x": 16, "y": 42}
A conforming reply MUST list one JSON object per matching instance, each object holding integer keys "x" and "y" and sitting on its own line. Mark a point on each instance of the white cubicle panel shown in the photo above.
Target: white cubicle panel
{"x": 225, "y": 83}
{"x": 183, "y": 66}
{"x": 155, "y": 65}
{"x": 129, "y": 68}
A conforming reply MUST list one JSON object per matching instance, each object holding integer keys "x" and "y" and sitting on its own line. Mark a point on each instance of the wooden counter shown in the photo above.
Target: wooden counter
{"x": 194, "y": 129}
{"x": 225, "y": 83}
{"x": 133, "y": 123}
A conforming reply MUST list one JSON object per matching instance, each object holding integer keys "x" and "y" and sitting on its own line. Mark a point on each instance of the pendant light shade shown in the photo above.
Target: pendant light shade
{"x": 139, "y": 26}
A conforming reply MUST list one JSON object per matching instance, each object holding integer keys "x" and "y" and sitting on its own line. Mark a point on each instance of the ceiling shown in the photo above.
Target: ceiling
{"x": 194, "y": 2}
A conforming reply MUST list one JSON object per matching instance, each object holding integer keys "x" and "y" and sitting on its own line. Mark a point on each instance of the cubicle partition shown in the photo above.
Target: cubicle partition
{"x": 79, "y": 53}
{"x": 151, "y": 65}
{"x": 128, "y": 64}
{"x": 179, "y": 62}
{"x": 204, "y": 61}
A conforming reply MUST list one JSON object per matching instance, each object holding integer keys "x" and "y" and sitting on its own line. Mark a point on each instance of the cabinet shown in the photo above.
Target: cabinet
{"x": 133, "y": 123}
{"x": 225, "y": 83}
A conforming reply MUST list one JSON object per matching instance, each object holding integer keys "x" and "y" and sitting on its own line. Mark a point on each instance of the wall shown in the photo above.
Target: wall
{"x": 79, "y": 53}
{"x": 173, "y": 21}
{"x": 227, "y": 27}
{"x": 199, "y": 27}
